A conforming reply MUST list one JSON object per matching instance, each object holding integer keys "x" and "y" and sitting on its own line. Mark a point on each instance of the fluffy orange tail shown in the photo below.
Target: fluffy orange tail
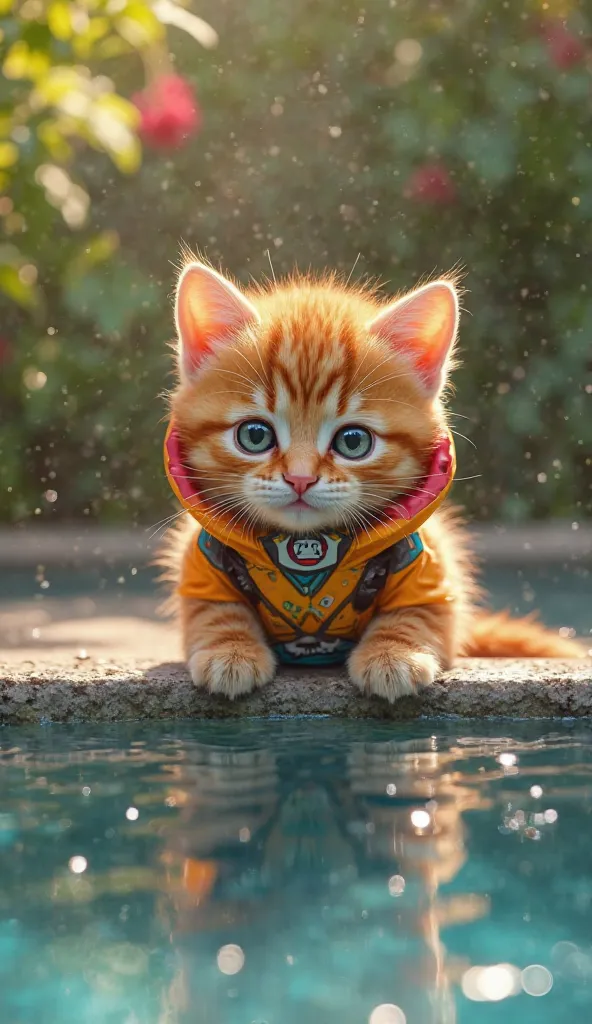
{"x": 497, "y": 635}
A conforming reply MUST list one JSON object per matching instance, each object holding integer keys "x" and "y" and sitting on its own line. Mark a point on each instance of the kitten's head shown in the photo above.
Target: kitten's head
{"x": 308, "y": 405}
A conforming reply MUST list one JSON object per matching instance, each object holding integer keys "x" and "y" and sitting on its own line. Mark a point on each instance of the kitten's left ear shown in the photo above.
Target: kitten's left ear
{"x": 209, "y": 312}
{"x": 423, "y": 325}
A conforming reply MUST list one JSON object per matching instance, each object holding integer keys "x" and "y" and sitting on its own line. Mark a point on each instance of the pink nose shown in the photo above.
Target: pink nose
{"x": 300, "y": 483}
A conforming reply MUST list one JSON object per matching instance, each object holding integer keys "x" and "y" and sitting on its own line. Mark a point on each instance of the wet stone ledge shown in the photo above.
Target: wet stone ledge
{"x": 132, "y": 689}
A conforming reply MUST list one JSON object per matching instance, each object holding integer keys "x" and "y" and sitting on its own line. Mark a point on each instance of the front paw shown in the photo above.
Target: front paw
{"x": 231, "y": 668}
{"x": 391, "y": 670}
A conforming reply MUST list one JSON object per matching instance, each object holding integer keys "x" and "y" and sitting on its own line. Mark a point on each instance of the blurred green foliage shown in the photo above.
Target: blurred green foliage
{"x": 416, "y": 135}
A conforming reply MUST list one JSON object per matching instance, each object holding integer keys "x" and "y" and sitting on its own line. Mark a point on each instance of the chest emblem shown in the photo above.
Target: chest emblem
{"x": 307, "y": 552}
{"x": 306, "y": 561}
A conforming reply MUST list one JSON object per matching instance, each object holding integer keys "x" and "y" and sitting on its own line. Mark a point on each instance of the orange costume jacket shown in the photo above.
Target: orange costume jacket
{"x": 314, "y": 595}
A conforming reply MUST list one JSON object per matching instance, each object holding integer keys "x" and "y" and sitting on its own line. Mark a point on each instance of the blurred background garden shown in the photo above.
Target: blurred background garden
{"x": 402, "y": 136}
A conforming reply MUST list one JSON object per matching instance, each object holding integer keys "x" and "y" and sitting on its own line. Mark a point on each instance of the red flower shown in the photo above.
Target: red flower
{"x": 431, "y": 183}
{"x": 565, "y": 49}
{"x": 170, "y": 112}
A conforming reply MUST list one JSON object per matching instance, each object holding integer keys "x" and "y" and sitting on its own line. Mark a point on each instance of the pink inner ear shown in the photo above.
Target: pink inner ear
{"x": 424, "y": 326}
{"x": 209, "y": 310}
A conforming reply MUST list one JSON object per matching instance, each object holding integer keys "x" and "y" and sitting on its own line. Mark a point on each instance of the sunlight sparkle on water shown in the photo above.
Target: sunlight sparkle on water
{"x": 396, "y": 885}
{"x": 491, "y": 984}
{"x": 230, "y": 959}
{"x": 387, "y": 1013}
{"x": 420, "y": 819}
{"x": 77, "y": 865}
{"x": 536, "y": 980}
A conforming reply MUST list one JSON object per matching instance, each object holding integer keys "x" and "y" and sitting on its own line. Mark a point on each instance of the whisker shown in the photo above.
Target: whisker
{"x": 258, "y": 351}
{"x": 271, "y": 266}
{"x": 406, "y": 490}
{"x": 352, "y": 269}
{"x": 460, "y": 415}
{"x": 369, "y": 349}
{"x": 387, "y": 499}
{"x": 353, "y": 521}
{"x": 367, "y": 512}
{"x": 254, "y": 368}
{"x": 255, "y": 342}
{"x": 386, "y": 359}
{"x": 395, "y": 479}
{"x": 239, "y": 376}
{"x": 250, "y": 521}
{"x": 457, "y": 433}
{"x": 226, "y": 505}
{"x": 396, "y": 401}
{"x": 168, "y": 519}
{"x": 384, "y": 380}
{"x": 242, "y": 511}
{"x": 227, "y": 393}
{"x": 379, "y": 519}
{"x": 202, "y": 490}
{"x": 167, "y": 522}
{"x": 358, "y": 522}
{"x": 212, "y": 476}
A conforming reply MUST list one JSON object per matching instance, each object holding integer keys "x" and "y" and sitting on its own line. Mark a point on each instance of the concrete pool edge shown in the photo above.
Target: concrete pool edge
{"x": 144, "y": 690}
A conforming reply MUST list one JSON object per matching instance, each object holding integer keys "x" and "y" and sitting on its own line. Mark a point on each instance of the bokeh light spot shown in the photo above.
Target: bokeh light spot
{"x": 230, "y": 959}
{"x": 77, "y": 865}
{"x": 387, "y": 1013}
{"x": 536, "y": 980}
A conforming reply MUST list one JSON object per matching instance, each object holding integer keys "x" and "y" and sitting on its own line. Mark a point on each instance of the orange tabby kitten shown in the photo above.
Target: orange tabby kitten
{"x": 309, "y": 442}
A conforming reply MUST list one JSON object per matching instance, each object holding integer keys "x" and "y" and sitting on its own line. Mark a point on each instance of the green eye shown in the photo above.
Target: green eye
{"x": 353, "y": 442}
{"x": 255, "y": 437}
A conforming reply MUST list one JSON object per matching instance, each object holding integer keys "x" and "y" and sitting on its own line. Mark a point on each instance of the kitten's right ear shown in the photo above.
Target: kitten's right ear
{"x": 423, "y": 326}
{"x": 209, "y": 311}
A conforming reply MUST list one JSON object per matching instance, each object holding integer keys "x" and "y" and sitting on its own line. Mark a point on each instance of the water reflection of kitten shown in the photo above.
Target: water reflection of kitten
{"x": 416, "y": 806}
{"x": 291, "y": 859}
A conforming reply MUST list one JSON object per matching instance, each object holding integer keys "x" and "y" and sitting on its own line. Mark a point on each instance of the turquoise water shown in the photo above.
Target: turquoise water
{"x": 560, "y": 593}
{"x": 296, "y": 871}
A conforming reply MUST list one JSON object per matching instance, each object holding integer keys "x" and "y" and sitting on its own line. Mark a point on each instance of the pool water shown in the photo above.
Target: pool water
{"x": 277, "y": 872}
{"x": 559, "y": 593}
